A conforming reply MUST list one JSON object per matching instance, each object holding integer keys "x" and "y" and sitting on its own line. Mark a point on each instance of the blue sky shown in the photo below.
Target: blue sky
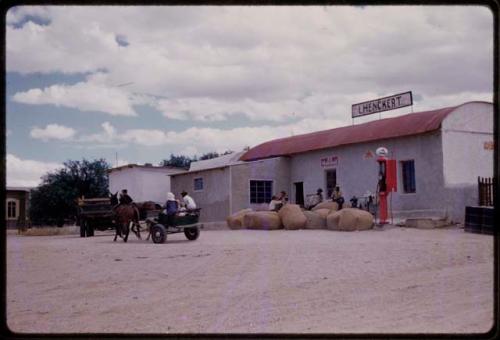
{"x": 145, "y": 82}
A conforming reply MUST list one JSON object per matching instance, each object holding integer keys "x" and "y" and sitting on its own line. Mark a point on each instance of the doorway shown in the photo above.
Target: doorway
{"x": 299, "y": 193}
{"x": 331, "y": 181}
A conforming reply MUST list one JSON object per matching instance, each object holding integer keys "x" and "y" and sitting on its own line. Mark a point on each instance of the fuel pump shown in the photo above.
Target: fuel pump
{"x": 387, "y": 181}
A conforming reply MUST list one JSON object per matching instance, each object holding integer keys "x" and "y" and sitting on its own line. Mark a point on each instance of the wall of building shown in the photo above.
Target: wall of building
{"x": 468, "y": 153}
{"x": 213, "y": 199}
{"x": 357, "y": 172}
{"x": 142, "y": 184}
{"x": 22, "y": 200}
{"x": 274, "y": 169}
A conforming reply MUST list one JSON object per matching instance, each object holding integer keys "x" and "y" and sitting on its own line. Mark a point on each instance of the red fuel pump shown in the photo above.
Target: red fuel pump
{"x": 387, "y": 182}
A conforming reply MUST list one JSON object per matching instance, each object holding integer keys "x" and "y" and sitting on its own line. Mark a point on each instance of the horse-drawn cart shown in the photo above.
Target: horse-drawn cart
{"x": 95, "y": 213}
{"x": 186, "y": 222}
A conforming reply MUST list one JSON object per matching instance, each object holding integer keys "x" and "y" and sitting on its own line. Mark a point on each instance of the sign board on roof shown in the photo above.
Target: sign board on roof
{"x": 382, "y": 104}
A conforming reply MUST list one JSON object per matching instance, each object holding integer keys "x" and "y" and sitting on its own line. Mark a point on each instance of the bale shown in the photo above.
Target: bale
{"x": 326, "y": 205}
{"x": 235, "y": 221}
{"x": 314, "y": 220}
{"x": 322, "y": 212}
{"x": 292, "y": 217}
{"x": 262, "y": 220}
{"x": 350, "y": 219}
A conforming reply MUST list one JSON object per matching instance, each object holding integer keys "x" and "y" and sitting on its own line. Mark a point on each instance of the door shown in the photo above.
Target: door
{"x": 331, "y": 182}
{"x": 299, "y": 193}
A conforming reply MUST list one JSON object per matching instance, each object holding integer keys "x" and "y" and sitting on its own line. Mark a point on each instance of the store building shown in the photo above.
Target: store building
{"x": 439, "y": 153}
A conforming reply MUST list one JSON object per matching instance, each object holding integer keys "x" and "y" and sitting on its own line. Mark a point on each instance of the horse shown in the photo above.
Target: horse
{"x": 124, "y": 214}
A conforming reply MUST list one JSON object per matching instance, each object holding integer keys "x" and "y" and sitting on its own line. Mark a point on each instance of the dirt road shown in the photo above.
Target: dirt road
{"x": 398, "y": 280}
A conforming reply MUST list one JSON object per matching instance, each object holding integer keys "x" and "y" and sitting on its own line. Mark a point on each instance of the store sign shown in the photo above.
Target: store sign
{"x": 382, "y": 104}
{"x": 329, "y": 161}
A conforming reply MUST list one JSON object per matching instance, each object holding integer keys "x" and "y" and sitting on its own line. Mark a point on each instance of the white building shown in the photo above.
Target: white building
{"x": 143, "y": 182}
{"x": 439, "y": 153}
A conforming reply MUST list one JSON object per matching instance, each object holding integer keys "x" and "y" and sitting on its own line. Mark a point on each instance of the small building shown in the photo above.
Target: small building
{"x": 223, "y": 185}
{"x": 17, "y": 206}
{"x": 143, "y": 182}
{"x": 439, "y": 153}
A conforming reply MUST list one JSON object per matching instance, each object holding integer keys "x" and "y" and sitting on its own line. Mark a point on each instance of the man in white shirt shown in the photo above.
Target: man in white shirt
{"x": 188, "y": 201}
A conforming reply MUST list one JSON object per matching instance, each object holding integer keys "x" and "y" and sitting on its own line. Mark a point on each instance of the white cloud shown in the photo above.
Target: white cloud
{"x": 196, "y": 141}
{"x": 92, "y": 95}
{"x": 52, "y": 131}
{"x": 27, "y": 173}
{"x": 209, "y": 63}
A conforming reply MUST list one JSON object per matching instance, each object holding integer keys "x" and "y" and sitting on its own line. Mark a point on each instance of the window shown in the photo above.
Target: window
{"x": 261, "y": 191}
{"x": 198, "y": 184}
{"x": 11, "y": 209}
{"x": 408, "y": 171}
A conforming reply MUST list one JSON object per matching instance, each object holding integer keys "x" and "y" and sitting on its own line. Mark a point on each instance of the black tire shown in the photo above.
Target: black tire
{"x": 159, "y": 233}
{"x": 83, "y": 229}
{"x": 90, "y": 229}
{"x": 192, "y": 233}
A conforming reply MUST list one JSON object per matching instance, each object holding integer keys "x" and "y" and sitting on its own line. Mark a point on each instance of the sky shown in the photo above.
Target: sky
{"x": 134, "y": 84}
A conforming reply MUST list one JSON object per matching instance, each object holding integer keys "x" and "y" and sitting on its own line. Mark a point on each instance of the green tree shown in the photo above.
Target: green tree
{"x": 56, "y": 198}
{"x": 180, "y": 161}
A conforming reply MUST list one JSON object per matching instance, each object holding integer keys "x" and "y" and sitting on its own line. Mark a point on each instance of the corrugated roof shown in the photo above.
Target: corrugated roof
{"x": 173, "y": 168}
{"x": 410, "y": 124}
{"x": 218, "y": 162}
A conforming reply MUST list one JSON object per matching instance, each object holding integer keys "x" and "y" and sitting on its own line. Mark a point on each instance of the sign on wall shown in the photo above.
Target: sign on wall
{"x": 488, "y": 145}
{"x": 329, "y": 161}
{"x": 368, "y": 155}
{"x": 382, "y": 104}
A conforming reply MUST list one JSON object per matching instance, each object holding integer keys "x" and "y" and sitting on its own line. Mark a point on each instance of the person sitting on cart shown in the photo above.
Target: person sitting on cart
{"x": 188, "y": 201}
{"x": 171, "y": 208}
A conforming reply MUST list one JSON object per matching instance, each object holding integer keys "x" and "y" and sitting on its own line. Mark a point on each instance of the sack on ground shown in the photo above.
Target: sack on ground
{"x": 314, "y": 220}
{"x": 292, "y": 217}
{"x": 262, "y": 220}
{"x": 322, "y": 212}
{"x": 235, "y": 221}
{"x": 326, "y": 205}
{"x": 350, "y": 219}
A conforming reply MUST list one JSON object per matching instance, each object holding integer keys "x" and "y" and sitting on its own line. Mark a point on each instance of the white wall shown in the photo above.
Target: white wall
{"x": 143, "y": 184}
{"x": 464, "y": 133}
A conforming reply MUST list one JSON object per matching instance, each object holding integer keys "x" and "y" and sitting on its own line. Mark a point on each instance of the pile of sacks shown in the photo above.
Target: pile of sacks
{"x": 292, "y": 217}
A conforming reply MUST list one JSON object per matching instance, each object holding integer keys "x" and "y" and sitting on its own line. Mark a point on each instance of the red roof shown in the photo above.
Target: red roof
{"x": 410, "y": 124}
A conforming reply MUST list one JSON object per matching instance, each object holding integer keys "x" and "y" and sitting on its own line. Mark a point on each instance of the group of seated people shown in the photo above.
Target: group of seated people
{"x": 278, "y": 201}
{"x": 173, "y": 205}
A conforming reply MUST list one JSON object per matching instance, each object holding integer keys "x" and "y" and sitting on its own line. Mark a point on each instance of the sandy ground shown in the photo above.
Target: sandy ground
{"x": 397, "y": 280}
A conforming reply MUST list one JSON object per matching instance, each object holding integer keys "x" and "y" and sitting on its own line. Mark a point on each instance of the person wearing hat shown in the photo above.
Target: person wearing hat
{"x": 171, "y": 208}
{"x": 188, "y": 201}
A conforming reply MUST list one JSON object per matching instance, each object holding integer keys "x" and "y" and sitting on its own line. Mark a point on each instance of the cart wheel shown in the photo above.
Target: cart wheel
{"x": 192, "y": 233}
{"x": 83, "y": 229}
{"x": 159, "y": 233}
